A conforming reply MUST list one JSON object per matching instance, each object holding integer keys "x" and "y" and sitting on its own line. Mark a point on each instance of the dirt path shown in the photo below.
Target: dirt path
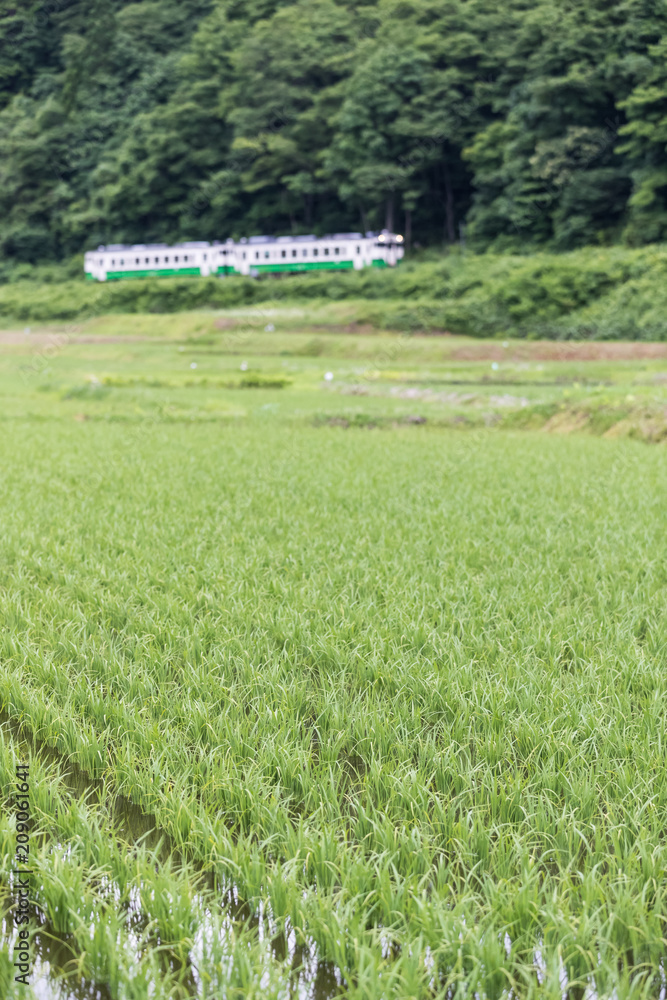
{"x": 460, "y": 349}
{"x": 556, "y": 350}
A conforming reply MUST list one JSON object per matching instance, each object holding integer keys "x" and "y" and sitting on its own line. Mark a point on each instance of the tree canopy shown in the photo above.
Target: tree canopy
{"x": 529, "y": 123}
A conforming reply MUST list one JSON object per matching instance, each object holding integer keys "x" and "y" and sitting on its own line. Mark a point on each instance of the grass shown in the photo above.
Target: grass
{"x": 394, "y": 695}
{"x": 190, "y": 366}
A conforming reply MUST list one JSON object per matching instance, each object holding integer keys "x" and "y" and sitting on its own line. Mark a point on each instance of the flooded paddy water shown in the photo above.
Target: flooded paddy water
{"x": 54, "y": 975}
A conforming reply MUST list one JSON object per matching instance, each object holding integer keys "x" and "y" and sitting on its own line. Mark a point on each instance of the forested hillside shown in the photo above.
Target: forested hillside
{"x": 531, "y": 123}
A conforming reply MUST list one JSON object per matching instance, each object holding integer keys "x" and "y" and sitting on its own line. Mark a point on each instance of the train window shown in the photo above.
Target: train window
{"x": 148, "y": 260}
{"x": 256, "y": 254}
{"x": 244, "y": 254}
{"x": 185, "y": 256}
{"x": 305, "y": 253}
{"x": 137, "y": 260}
{"x": 315, "y": 252}
{"x": 337, "y": 250}
{"x": 113, "y": 263}
{"x": 176, "y": 259}
{"x": 326, "y": 251}
{"x": 283, "y": 253}
{"x": 157, "y": 260}
{"x": 358, "y": 249}
{"x": 266, "y": 254}
{"x": 293, "y": 253}
{"x": 204, "y": 256}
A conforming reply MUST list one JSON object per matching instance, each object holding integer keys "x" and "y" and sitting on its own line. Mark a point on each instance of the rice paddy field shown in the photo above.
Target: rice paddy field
{"x": 338, "y": 658}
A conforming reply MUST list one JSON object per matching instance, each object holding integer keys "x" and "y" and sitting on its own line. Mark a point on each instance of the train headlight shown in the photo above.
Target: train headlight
{"x": 399, "y": 239}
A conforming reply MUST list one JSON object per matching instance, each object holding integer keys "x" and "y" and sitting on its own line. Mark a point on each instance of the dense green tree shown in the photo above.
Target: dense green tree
{"x": 286, "y": 76}
{"x": 467, "y": 46}
{"x": 529, "y": 123}
{"x": 146, "y": 186}
{"x": 365, "y": 158}
{"x": 27, "y": 46}
{"x": 645, "y": 144}
{"x": 550, "y": 171}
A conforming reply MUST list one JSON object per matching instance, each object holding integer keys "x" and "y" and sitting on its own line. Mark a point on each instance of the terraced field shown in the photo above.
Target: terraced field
{"x": 334, "y": 686}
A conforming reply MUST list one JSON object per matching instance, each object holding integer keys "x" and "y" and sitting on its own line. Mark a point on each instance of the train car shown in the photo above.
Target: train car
{"x": 340, "y": 251}
{"x": 254, "y": 256}
{"x": 150, "y": 260}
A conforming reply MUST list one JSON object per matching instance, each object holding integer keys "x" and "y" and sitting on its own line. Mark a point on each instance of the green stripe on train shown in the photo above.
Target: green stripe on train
{"x": 315, "y": 265}
{"x": 167, "y": 272}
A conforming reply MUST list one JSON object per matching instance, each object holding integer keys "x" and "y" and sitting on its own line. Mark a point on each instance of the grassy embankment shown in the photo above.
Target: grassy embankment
{"x": 604, "y": 293}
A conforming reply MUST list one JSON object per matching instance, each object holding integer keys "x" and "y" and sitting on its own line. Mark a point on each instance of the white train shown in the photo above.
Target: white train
{"x": 253, "y": 256}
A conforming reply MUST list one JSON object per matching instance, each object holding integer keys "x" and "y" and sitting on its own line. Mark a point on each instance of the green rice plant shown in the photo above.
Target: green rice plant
{"x": 397, "y": 696}
{"x": 169, "y": 902}
{"x": 84, "y": 879}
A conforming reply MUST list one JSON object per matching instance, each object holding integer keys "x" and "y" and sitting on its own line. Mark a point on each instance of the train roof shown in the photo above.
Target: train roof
{"x": 245, "y": 240}
{"x": 195, "y": 245}
{"x": 303, "y": 239}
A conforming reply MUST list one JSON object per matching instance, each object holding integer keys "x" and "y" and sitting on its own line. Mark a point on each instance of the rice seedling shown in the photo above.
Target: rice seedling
{"x": 391, "y": 704}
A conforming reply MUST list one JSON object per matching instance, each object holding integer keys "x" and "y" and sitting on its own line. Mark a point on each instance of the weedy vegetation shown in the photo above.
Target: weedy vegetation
{"x": 601, "y": 293}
